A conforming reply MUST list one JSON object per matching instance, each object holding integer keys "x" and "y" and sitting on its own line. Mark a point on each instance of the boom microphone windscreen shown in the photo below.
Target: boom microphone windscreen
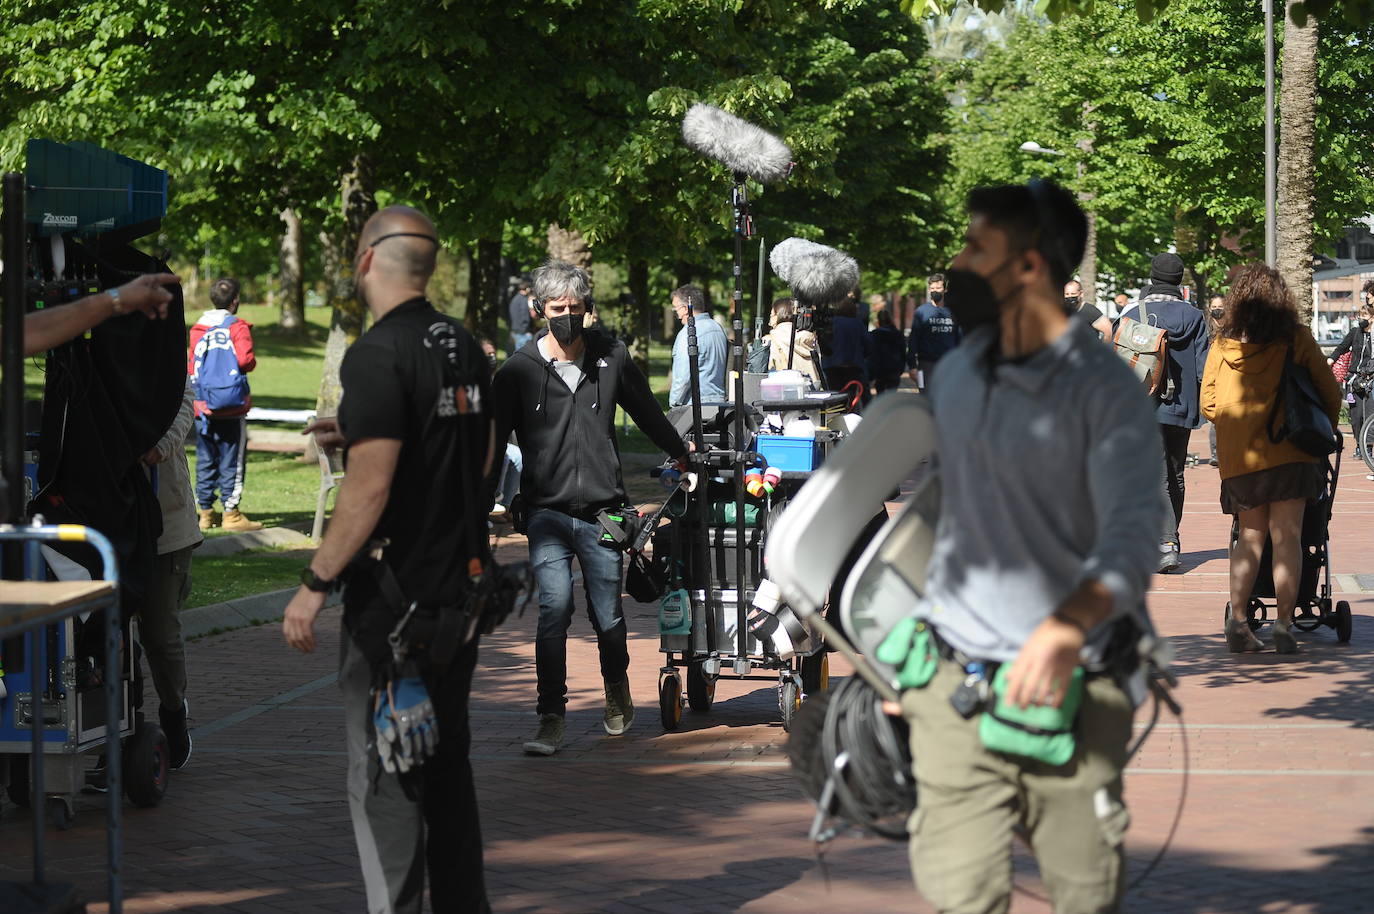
{"x": 818, "y": 275}
{"x": 738, "y": 144}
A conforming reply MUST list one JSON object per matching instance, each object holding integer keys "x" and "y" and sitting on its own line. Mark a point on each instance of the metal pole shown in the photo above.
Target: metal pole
{"x": 1271, "y": 234}
{"x": 12, "y": 345}
{"x": 38, "y": 663}
{"x": 741, "y": 207}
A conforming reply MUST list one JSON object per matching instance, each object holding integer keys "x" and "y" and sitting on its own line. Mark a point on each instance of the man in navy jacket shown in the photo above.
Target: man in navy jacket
{"x": 1162, "y": 304}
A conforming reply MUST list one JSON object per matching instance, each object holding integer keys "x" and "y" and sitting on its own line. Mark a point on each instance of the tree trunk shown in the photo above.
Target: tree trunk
{"x": 292, "y": 278}
{"x": 639, "y": 290}
{"x": 347, "y": 313}
{"x": 568, "y": 246}
{"x": 1087, "y": 269}
{"x": 484, "y": 289}
{"x": 1297, "y": 138}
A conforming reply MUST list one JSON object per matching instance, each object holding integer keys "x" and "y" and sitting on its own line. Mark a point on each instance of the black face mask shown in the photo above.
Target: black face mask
{"x": 1218, "y": 314}
{"x": 566, "y": 328}
{"x": 937, "y": 297}
{"x": 491, "y": 360}
{"x": 1364, "y": 325}
{"x": 970, "y": 298}
{"x": 1070, "y": 303}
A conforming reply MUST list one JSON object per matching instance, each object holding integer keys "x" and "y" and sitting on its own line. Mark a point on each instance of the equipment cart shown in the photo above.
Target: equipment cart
{"x": 46, "y": 764}
{"x": 707, "y": 629}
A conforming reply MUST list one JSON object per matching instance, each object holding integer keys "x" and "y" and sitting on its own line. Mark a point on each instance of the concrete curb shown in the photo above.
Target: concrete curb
{"x": 240, "y": 613}
{"x": 266, "y": 538}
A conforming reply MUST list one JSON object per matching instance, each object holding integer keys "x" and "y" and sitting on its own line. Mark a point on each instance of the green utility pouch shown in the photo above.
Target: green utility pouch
{"x": 910, "y": 649}
{"x": 1036, "y": 731}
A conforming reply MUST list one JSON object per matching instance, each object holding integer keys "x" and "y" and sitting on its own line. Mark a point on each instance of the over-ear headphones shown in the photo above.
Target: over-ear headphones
{"x": 539, "y": 305}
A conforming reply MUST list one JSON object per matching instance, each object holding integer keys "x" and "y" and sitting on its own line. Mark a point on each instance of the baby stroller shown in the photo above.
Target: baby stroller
{"x": 1313, "y": 608}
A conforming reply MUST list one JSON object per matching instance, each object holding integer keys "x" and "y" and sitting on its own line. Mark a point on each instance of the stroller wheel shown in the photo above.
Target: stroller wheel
{"x": 1342, "y": 622}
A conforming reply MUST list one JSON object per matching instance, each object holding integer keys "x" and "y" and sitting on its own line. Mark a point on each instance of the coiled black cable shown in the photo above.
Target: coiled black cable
{"x": 854, "y": 761}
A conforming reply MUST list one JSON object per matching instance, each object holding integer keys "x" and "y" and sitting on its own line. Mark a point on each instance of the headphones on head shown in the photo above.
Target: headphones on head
{"x": 539, "y": 305}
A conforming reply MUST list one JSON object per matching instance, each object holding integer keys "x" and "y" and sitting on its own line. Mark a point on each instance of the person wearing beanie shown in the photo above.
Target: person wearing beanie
{"x": 1162, "y": 304}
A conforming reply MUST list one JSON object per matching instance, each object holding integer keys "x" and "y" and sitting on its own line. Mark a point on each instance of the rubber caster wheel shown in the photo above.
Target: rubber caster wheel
{"x": 815, "y": 671}
{"x": 670, "y": 702}
{"x": 701, "y": 691}
{"x": 59, "y": 812}
{"x": 789, "y": 702}
{"x": 146, "y": 765}
{"x": 1343, "y": 622}
{"x": 18, "y": 789}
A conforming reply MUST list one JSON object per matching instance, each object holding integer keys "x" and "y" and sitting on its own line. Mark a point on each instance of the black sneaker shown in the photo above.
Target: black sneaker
{"x": 178, "y": 737}
{"x": 1169, "y": 558}
{"x": 97, "y": 779}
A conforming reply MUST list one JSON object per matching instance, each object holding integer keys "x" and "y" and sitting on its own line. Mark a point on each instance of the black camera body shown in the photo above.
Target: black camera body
{"x": 818, "y": 319}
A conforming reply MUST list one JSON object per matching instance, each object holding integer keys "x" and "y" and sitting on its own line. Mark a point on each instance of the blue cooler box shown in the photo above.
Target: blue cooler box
{"x": 797, "y": 454}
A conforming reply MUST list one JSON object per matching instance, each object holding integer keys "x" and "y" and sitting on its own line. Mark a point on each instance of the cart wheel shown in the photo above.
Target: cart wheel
{"x": 1256, "y": 614}
{"x": 18, "y": 790}
{"x": 670, "y": 702}
{"x": 701, "y": 691}
{"x": 815, "y": 671}
{"x": 145, "y": 765}
{"x": 60, "y": 813}
{"x": 1343, "y": 622}
{"x": 789, "y": 700}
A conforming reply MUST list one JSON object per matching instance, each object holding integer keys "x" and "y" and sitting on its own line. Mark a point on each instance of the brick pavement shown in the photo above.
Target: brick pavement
{"x": 1279, "y": 817}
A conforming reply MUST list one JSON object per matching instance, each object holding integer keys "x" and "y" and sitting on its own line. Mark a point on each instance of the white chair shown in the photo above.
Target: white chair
{"x": 331, "y": 471}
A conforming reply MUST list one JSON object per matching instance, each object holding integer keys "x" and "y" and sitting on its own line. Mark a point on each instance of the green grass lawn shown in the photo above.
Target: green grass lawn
{"x": 217, "y": 578}
{"x": 278, "y": 489}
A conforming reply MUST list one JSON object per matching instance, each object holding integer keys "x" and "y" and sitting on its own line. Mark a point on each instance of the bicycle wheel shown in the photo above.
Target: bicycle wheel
{"x": 1366, "y": 440}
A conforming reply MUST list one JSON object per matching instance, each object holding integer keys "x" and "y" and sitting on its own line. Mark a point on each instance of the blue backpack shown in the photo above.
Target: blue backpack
{"x": 216, "y": 377}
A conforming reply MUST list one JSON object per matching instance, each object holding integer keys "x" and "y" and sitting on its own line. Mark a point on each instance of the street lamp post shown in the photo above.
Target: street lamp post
{"x": 1087, "y": 269}
{"x": 1271, "y": 234}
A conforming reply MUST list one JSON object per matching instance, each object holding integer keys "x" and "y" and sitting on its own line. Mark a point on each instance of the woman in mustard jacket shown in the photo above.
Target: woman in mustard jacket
{"x": 1265, "y": 485}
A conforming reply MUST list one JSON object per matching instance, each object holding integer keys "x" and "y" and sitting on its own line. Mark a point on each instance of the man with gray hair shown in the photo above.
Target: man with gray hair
{"x": 559, "y": 394}
{"x": 711, "y": 350}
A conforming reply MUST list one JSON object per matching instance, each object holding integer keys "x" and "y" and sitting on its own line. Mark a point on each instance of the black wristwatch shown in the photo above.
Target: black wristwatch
{"x": 314, "y": 582}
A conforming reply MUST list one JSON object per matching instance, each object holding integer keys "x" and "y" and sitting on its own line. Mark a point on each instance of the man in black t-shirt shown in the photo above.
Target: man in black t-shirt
{"x": 1087, "y": 312}
{"x": 418, "y": 437}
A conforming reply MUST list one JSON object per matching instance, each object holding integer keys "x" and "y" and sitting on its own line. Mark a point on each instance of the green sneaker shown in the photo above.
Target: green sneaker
{"x": 549, "y": 737}
{"x": 620, "y": 707}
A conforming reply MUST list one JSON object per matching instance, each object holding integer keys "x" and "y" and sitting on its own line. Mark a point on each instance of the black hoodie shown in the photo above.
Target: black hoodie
{"x": 571, "y": 459}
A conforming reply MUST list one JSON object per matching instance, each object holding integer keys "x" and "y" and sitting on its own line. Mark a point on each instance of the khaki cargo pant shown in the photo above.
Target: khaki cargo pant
{"x": 969, "y": 800}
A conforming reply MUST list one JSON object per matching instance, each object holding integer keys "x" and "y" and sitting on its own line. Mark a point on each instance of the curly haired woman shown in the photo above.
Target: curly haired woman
{"x": 1265, "y": 485}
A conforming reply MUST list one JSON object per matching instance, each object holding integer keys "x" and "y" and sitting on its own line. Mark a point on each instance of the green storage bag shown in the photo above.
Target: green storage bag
{"x": 1036, "y": 732}
{"x": 910, "y": 649}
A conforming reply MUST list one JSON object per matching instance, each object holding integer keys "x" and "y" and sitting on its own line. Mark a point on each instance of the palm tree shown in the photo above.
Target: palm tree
{"x": 1297, "y": 142}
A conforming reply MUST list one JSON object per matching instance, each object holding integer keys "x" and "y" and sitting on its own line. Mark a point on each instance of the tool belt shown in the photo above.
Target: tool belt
{"x": 433, "y": 633}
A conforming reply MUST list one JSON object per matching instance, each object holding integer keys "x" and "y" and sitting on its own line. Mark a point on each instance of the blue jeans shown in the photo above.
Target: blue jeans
{"x": 554, "y": 538}
{"x": 221, "y": 453}
{"x": 510, "y": 475}
{"x": 518, "y": 341}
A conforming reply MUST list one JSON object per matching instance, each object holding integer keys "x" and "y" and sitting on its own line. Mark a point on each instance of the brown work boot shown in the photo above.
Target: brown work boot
{"x": 209, "y": 517}
{"x": 235, "y": 520}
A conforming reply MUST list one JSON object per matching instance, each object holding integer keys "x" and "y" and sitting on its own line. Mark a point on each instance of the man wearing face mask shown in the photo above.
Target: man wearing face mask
{"x": 1359, "y": 378}
{"x": 559, "y": 395}
{"x": 1030, "y": 577}
{"x": 1085, "y": 311}
{"x": 1163, "y": 303}
{"x": 933, "y": 333}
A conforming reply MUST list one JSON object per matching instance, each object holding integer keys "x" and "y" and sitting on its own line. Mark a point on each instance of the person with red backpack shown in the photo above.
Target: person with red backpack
{"x": 219, "y": 359}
